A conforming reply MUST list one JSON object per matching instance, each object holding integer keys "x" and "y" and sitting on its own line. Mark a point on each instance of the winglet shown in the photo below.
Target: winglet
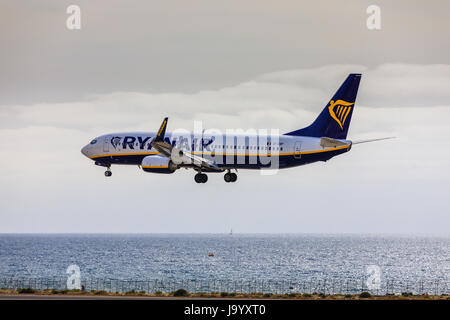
{"x": 162, "y": 131}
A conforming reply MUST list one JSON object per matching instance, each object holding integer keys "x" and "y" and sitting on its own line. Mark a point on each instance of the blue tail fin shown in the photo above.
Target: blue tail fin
{"x": 334, "y": 120}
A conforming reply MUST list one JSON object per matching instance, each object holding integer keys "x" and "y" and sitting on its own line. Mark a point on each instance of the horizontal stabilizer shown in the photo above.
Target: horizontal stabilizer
{"x": 371, "y": 140}
{"x": 331, "y": 143}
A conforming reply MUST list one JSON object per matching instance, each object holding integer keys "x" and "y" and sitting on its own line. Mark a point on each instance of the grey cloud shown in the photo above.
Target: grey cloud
{"x": 187, "y": 46}
{"x": 287, "y": 100}
{"x": 387, "y": 85}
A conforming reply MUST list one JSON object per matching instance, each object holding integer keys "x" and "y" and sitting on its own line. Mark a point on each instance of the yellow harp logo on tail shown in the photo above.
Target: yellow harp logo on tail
{"x": 339, "y": 111}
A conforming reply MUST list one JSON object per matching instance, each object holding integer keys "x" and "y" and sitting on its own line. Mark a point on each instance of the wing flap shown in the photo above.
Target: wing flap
{"x": 178, "y": 156}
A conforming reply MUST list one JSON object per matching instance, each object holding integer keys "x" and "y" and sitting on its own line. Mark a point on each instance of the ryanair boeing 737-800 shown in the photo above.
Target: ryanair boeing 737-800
{"x": 161, "y": 152}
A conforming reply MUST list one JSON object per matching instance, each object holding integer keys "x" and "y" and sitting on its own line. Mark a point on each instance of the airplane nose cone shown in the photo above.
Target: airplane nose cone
{"x": 85, "y": 151}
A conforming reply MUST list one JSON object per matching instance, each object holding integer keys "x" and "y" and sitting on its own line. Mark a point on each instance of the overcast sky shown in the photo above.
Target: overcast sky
{"x": 230, "y": 64}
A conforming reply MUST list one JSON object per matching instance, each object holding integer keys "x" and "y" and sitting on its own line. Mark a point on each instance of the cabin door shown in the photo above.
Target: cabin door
{"x": 297, "y": 150}
{"x": 105, "y": 145}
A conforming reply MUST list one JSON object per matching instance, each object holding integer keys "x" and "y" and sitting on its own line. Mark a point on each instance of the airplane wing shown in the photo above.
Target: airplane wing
{"x": 178, "y": 156}
{"x": 371, "y": 140}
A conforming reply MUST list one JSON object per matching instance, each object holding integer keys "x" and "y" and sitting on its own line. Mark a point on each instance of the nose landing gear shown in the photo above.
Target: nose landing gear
{"x": 108, "y": 173}
{"x": 200, "y": 178}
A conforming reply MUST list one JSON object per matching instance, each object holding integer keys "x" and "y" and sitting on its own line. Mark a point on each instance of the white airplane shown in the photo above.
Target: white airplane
{"x": 158, "y": 152}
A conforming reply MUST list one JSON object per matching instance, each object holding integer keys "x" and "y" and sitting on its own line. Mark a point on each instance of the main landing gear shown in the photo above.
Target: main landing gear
{"x": 108, "y": 172}
{"x": 230, "y": 177}
{"x": 200, "y": 178}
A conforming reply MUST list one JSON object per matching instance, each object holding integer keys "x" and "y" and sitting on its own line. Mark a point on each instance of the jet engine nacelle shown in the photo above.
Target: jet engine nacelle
{"x": 158, "y": 164}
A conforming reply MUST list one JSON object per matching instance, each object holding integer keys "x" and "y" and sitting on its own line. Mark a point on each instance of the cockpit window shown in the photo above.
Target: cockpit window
{"x": 93, "y": 141}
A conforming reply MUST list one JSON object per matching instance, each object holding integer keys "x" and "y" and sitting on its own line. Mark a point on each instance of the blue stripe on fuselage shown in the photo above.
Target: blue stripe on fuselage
{"x": 285, "y": 161}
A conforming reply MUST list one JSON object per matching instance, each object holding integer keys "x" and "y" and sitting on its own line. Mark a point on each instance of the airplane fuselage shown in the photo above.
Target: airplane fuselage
{"x": 214, "y": 151}
{"x": 228, "y": 152}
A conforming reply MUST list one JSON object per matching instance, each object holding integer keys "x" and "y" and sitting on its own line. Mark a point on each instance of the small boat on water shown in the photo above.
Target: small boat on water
{"x": 211, "y": 255}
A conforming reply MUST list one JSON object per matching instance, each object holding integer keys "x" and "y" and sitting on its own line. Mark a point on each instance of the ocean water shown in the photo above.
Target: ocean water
{"x": 236, "y": 257}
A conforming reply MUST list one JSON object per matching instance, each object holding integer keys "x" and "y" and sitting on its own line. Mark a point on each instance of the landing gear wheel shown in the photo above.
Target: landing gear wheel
{"x": 108, "y": 173}
{"x": 200, "y": 178}
{"x": 227, "y": 177}
{"x": 233, "y": 177}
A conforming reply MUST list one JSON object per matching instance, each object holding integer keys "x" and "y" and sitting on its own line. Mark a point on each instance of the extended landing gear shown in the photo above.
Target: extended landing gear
{"x": 230, "y": 177}
{"x": 108, "y": 173}
{"x": 200, "y": 178}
